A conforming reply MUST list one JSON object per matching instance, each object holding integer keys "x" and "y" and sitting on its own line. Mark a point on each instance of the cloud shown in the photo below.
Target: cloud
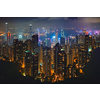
{"x": 89, "y": 19}
{"x": 55, "y": 18}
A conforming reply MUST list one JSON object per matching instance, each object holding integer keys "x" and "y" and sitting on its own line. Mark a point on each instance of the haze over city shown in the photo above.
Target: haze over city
{"x": 50, "y": 22}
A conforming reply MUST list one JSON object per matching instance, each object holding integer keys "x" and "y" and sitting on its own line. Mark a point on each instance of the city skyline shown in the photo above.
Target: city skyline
{"x": 50, "y": 22}
{"x": 49, "y": 54}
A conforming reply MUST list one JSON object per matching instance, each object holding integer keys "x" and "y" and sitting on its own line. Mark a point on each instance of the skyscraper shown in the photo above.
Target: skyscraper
{"x": 62, "y": 58}
{"x": 34, "y": 42}
{"x": 56, "y": 36}
{"x": 28, "y": 63}
{"x": 15, "y": 41}
{"x": 35, "y": 57}
{"x": 28, "y": 45}
{"x": 6, "y": 27}
{"x": 86, "y": 41}
{"x": 62, "y": 33}
{"x": 6, "y": 31}
{"x": 47, "y": 61}
{"x": 57, "y": 49}
{"x": 30, "y": 31}
{"x": 62, "y": 38}
{"x": 9, "y": 38}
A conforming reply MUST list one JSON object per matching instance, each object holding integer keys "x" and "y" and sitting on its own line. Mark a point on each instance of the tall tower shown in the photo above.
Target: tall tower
{"x": 62, "y": 38}
{"x": 6, "y": 31}
{"x": 30, "y": 31}
{"x": 62, "y": 33}
{"x": 57, "y": 49}
{"x": 46, "y": 37}
{"x": 35, "y": 42}
{"x": 30, "y": 28}
{"x": 47, "y": 61}
{"x": 9, "y": 38}
{"x": 6, "y": 27}
{"x": 86, "y": 42}
{"x": 56, "y": 36}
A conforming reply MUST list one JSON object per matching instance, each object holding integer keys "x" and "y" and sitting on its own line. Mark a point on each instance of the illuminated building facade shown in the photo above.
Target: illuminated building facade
{"x": 9, "y": 38}
{"x": 76, "y": 39}
{"x": 47, "y": 61}
{"x": 15, "y": 42}
{"x": 57, "y": 49}
{"x": 30, "y": 31}
{"x": 43, "y": 43}
{"x": 35, "y": 65}
{"x": 62, "y": 40}
{"x": 82, "y": 58}
{"x": 10, "y": 53}
{"x": 40, "y": 60}
{"x": 28, "y": 45}
{"x": 18, "y": 50}
{"x": 86, "y": 41}
{"x": 62, "y": 58}
{"x": 62, "y": 33}
{"x": 34, "y": 42}
{"x": 1, "y": 40}
{"x": 5, "y": 50}
{"x": 48, "y": 42}
{"x": 56, "y": 36}
{"x": 28, "y": 63}
{"x": 80, "y": 39}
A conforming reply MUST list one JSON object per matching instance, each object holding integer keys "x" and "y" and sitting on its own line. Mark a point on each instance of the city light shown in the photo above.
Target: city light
{"x": 54, "y": 37}
{"x": 49, "y": 54}
{"x": 6, "y": 23}
{"x": 20, "y": 36}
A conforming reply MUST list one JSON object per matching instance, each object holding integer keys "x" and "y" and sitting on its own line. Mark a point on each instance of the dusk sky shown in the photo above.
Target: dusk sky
{"x": 49, "y": 22}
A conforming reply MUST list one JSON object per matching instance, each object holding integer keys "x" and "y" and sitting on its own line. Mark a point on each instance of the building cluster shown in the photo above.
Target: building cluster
{"x": 54, "y": 60}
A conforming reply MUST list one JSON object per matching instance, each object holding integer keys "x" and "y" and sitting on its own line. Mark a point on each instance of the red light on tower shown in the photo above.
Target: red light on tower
{"x": 86, "y": 33}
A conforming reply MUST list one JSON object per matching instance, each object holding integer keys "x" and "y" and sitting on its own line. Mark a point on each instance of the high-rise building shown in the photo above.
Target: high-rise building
{"x": 9, "y": 38}
{"x": 28, "y": 63}
{"x": 62, "y": 40}
{"x": 62, "y": 58}
{"x": 18, "y": 50}
{"x": 1, "y": 40}
{"x": 53, "y": 41}
{"x": 76, "y": 39}
{"x": 62, "y": 33}
{"x": 47, "y": 61}
{"x": 6, "y": 31}
{"x": 90, "y": 44}
{"x": 5, "y": 50}
{"x": 35, "y": 57}
{"x": 86, "y": 41}
{"x": 82, "y": 58}
{"x": 57, "y": 49}
{"x": 56, "y": 36}
{"x": 6, "y": 28}
{"x": 48, "y": 42}
{"x": 43, "y": 43}
{"x": 40, "y": 60}
{"x": 19, "y": 54}
{"x": 10, "y": 53}
{"x": 34, "y": 42}
{"x": 28, "y": 45}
